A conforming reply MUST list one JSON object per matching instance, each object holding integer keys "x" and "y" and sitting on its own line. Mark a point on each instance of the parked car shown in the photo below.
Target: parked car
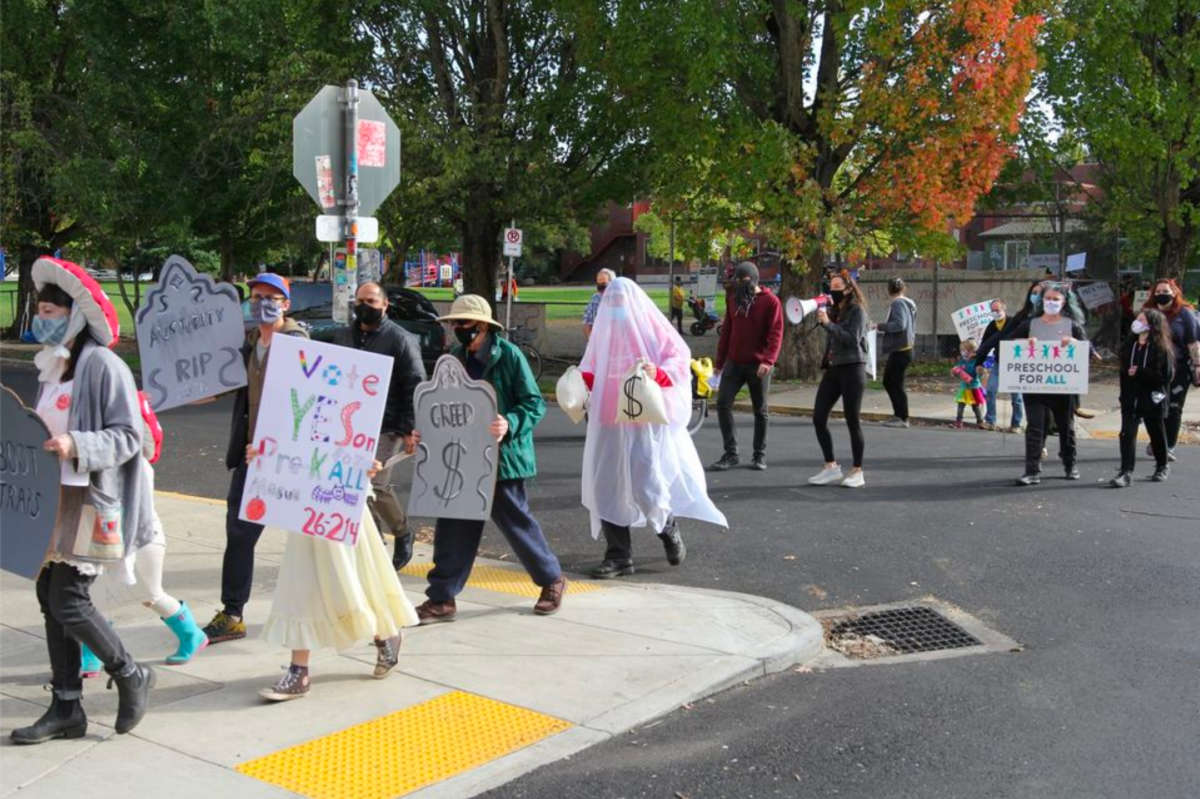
{"x": 312, "y": 306}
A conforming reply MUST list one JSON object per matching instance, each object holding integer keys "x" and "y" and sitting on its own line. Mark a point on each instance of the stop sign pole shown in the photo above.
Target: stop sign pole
{"x": 349, "y": 101}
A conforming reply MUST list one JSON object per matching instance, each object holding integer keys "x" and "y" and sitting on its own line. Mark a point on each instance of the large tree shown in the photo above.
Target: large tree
{"x": 1123, "y": 77}
{"x": 822, "y": 122}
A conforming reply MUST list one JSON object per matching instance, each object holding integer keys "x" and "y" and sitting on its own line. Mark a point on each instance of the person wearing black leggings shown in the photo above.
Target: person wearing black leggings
{"x": 845, "y": 377}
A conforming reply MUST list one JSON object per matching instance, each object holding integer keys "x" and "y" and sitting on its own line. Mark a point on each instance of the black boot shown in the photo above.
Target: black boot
{"x": 133, "y": 691}
{"x": 63, "y": 719}
{"x": 673, "y": 543}
{"x": 404, "y": 550}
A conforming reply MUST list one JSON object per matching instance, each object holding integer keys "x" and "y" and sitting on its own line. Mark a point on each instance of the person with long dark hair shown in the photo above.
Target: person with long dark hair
{"x": 1167, "y": 297}
{"x": 845, "y": 378}
{"x": 1147, "y": 366}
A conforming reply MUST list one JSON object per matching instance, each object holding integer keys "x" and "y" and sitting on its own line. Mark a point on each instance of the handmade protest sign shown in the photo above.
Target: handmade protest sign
{"x": 971, "y": 320}
{"x": 189, "y": 332}
{"x": 1043, "y": 367}
{"x": 1095, "y": 295}
{"x": 872, "y": 353}
{"x": 315, "y": 437}
{"x": 29, "y": 480}
{"x": 454, "y": 475}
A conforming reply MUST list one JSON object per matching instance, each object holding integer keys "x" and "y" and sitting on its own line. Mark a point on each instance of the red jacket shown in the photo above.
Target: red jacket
{"x": 754, "y": 338}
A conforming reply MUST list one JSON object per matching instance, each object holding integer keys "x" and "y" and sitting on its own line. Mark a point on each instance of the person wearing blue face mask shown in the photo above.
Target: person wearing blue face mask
{"x": 269, "y": 302}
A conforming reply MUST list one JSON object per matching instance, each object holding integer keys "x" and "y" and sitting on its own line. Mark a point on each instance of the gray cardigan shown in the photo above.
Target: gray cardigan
{"x": 847, "y": 342}
{"x": 105, "y": 423}
{"x": 899, "y": 331}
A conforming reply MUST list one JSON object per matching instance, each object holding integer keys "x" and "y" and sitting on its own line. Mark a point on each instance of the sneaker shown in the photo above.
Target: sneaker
{"x": 1085, "y": 413}
{"x": 224, "y": 627}
{"x": 1072, "y": 473}
{"x": 1029, "y": 479}
{"x": 1045, "y": 453}
{"x": 1122, "y": 480}
{"x": 292, "y": 685}
{"x": 830, "y": 474}
{"x": 673, "y": 542}
{"x": 430, "y": 612}
{"x": 727, "y": 462}
{"x": 896, "y": 421}
{"x": 1161, "y": 475}
{"x": 1016, "y": 428}
{"x": 609, "y": 569}
{"x": 1170, "y": 456}
{"x": 854, "y": 480}
{"x": 957, "y": 424}
{"x": 551, "y": 599}
{"x": 386, "y": 656}
{"x": 986, "y": 425}
{"x": 759, "y": 463}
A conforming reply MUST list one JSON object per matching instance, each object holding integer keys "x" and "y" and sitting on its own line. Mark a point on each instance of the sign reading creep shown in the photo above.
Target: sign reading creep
{"x": 316, "y": 434}
{"x": 970, "y": 321}
{"x": 1043, "y": 367}
{"x": 29, "y": 479}
{"x": 454, "y": 475}
{"x": 189, "y": 332}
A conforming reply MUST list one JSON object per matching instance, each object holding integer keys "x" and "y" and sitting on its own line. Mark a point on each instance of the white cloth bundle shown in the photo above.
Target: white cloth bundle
{"x": 571, "y": 392}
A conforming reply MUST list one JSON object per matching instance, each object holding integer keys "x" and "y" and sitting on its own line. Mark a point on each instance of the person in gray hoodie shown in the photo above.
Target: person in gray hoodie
{"x": 899, "y": 333}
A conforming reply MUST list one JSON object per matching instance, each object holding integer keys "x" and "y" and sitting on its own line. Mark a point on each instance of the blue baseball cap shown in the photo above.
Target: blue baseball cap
{"x": 275, "y": 281}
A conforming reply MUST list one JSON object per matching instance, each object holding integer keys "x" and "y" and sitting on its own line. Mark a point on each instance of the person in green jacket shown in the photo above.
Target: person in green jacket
{"x": 488, "y": 357}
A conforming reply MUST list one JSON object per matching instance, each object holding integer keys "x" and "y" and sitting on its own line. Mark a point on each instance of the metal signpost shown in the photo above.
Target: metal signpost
{"x": 513, "y": 239}
{"x": 344, "y": 138}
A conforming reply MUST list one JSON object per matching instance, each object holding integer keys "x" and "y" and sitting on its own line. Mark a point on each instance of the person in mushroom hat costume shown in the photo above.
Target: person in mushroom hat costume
{"x": 89, "y": 403}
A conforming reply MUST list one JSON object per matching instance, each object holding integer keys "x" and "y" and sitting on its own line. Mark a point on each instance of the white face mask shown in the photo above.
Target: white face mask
{"x": 997, "y": 315}
{"x": 1139, "y": 327}
{"x": 1052, "y": 306}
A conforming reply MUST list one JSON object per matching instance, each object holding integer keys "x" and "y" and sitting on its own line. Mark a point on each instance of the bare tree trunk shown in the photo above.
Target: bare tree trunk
{"x": 803, "y": 344}
{"x": 481, "y": 253}
{"x": 25, "y": 292}
{"x": 226, "y": 259}
{"x": 1174, "y": 244}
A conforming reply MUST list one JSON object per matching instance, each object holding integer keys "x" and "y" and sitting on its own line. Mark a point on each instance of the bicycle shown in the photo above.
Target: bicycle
{"x": 699, "y": 414}
{"x": 523, "y": 337}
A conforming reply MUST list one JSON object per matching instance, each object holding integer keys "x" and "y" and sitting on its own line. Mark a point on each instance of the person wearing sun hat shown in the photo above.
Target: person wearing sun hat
{"x": 269, "y": 300}
{"x": 88, "y": 400}
{"x": 489, "y": 357}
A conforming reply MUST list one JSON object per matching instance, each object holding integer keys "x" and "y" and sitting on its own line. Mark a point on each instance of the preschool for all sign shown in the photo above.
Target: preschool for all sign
{"x": 1044, "y": 367}
{"x": 316, "y": 434}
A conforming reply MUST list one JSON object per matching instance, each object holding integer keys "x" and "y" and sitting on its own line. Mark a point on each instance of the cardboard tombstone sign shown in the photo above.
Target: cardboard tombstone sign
{"x": 454, "y": 472}
{"x": 29, "y": 480}
{"x": 190, "y": 333}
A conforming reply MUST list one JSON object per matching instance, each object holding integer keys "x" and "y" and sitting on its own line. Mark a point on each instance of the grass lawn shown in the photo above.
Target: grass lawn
{"x": 8, "y": 302}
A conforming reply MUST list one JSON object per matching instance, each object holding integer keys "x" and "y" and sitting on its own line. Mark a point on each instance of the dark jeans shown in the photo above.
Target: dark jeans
{"x": 1129, "y": 428}
{"x": 71, "y": 619}
{"x": 893, "y": 381}
{"x": 456, "y": 542}
{"x": 1177, "y": 396}
{"x": 620, "y": 545}
{"x": 1039, "y": 410}
{"x": 676, "y": 316}
{"x": 848, "y": 383}
{"x": 733, "y": 377}
{"x": 237, "y": 568}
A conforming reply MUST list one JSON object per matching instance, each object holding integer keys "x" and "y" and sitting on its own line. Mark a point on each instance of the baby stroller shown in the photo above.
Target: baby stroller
{"x": 705, "y": 319}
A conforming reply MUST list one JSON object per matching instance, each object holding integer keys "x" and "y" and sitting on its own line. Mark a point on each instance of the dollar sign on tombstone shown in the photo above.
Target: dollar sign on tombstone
{"x": 630, "y": 401}
{"x": 453, "y": 485}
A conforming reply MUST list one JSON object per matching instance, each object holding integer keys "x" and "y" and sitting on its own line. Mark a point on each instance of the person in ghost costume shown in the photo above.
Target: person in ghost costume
{"x": 637, "y": 474}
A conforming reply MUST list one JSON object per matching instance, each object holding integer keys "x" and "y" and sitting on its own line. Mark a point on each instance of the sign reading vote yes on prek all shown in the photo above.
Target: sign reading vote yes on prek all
{"x": 1044, "y": 367}
{"x": 316, "y": 434}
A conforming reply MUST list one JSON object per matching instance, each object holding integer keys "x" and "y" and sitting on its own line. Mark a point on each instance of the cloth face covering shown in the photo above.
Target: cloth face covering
{"x": 265, "y": 311}
{"x": 368, "y": 314}
{"x": 50, "y": 331}
{"x": 1053, "y": 306}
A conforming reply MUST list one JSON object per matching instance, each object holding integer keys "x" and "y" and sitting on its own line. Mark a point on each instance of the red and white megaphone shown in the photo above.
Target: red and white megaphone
{"x": 796, "y": 309}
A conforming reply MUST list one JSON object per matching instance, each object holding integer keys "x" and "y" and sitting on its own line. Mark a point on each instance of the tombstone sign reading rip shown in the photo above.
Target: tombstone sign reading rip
{"x": 454, "y": 472}
{"x": 29, "y": 481}
{"x": 970, "y": 321}
{"x": 316, "y": 434}
{"x": 190, "y": 333}
{"x": 1043, "y": 367}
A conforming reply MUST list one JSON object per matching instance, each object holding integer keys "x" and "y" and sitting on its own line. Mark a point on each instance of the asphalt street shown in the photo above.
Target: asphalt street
{"x": 1100, "y": 586}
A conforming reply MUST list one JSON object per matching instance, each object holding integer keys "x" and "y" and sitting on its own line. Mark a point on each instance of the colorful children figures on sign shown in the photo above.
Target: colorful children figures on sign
{"x": 1044, "y": 367}
{"x": 316, "y": 435}
{"x": 971, "y": 320}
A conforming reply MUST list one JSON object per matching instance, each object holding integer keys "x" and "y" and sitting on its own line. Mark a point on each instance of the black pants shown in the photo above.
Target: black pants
{"x": 1039, "y": 409}
{"x": 1154, "y": 427}
{"x": 1177, "y": 395}
{"x": 893, "y": 381}
{"x": 846, "y": 382}
{"x": 677, "y": 317}
{"x": 733, "y": 377}
{"x": 237, "y": 567}
{"x": 64, "y": 595}
{"x": 620, "y": 545}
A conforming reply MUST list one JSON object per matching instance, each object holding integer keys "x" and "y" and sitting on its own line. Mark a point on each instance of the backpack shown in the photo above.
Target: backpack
{"x": 152, "y": 432}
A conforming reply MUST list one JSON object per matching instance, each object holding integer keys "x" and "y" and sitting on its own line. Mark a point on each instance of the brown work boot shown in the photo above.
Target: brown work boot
{"x": 551, "y": 599}
{"x": 430, "y": 612}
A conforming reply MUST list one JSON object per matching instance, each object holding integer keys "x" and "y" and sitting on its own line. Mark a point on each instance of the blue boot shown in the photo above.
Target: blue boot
{"x": 191, "y": 638}
{"x": 89, "y": 664}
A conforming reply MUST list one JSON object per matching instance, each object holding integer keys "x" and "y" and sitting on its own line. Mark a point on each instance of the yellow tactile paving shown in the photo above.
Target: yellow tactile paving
{"x": 506, "y": 581}
{"x": 406, "y": 750}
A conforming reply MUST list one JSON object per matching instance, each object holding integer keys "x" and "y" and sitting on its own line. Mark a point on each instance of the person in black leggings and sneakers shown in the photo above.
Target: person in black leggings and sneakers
{"x": 845, "y": 376}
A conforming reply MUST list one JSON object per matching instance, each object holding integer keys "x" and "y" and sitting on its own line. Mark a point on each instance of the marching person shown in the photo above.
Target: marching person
{"x": 520, "y": 406}
{"x": 372, "y": 331}
{"x": 677, "y": 299}
{"x": 899, "y": 334}
{"x": 1167, "y": 298}
{"x": 639, "y": 475}
{"x": 746, "y": 353}
{"x": 603, "y": 278}
{"x": 845, "y": 322}
{"x": 1147, "y": 369}
{"x": 991, "y": 337}
{"x": 269, "y": 301}
{"x": 88, "y": 400}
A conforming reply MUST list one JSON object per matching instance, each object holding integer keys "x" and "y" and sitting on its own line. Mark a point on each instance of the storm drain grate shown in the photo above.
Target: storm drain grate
{"x": 902, "y": 631}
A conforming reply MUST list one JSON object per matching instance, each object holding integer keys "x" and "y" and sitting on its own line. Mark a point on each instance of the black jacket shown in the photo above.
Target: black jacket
{"x": 404, "y": 349}
{"x": 1155, "y": 371}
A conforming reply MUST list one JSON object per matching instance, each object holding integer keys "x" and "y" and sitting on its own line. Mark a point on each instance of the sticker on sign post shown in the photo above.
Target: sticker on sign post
{"x": 372, "y": 143}
{"x": 325, "y": 181}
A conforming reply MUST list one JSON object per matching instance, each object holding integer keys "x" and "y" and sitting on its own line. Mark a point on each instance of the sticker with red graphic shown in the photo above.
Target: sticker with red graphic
{"x": 63, "y": 402}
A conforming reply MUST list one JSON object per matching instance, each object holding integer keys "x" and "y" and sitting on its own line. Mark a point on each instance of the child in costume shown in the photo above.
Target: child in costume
{"x": 971, "y": 392}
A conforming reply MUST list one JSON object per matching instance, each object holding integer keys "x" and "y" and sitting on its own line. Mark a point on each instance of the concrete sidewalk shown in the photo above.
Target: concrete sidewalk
{"x": 471, "y": 705}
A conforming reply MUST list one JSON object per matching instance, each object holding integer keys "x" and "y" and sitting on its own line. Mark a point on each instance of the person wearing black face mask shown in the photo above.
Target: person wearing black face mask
{"x": 372, "y": 331}
{"x": 1167, "y": 298}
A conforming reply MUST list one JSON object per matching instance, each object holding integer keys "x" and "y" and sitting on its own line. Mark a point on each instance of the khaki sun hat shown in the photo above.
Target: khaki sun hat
{"x": 471, "y": 308}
